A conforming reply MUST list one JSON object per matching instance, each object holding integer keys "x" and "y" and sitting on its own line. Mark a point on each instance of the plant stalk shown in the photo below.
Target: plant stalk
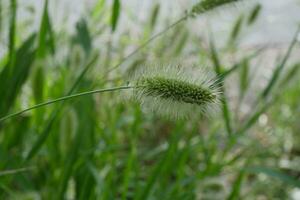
{"x": 63, "y": 99}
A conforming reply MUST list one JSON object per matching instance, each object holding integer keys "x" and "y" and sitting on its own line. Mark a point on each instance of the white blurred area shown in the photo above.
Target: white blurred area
{"x": 276, "y": 24}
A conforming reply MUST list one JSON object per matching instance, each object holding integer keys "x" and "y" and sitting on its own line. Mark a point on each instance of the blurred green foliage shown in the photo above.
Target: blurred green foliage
{"x": 104, "y": 147}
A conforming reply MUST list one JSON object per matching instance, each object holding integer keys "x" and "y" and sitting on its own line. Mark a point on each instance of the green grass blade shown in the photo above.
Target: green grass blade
{"x": 41, "y": 50}
{"x": 280, "y": 67}
{"x": 85, "y": 112}
{"x": 225, "y": 108}
{"x": 15, "y": 171}
{"x": 42, "y": 138}
{"x": 254, "y": 14}
{"x": 238, "y": 65}
{"x": 275, "y": 174}
{"x": 16, "y": 75}
{"x": 46, "y": 131}
{"x": 115, "y": 14}
{"x": 290, "y": 75}
{"x": 98, "y": 8}
{"x": 46, "y": 36}
{"x": 244, "y": 77}
{"x": 157, "y": 172}
{"x": 154, "y": 16}
{"x": 12, "y": 33}
{"x": 83, "y": 37}
{"x": 237, "y": 185}
{"x": 235, "y": 32}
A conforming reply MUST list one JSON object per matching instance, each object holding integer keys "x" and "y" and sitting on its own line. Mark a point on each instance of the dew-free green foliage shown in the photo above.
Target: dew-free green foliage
{"x": 68, "y": 130}
{"x": 254, "y": 14}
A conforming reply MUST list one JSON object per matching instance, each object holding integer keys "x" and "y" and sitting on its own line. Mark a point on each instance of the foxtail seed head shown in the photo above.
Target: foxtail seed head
{"x": 207, "y": 5}
{"x": 176, "y": 92}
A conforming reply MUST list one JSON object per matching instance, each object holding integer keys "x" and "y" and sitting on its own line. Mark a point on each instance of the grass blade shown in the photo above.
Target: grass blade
{"x": 280, "y": 67}
{"x": 12, "y": 33}
{"x": 46, "y": 131}
{"x": 235, "y": 32}
{"x": 115, "y": 14}
{"x": 155, "y": 175}
{"x": 83, "y": 36}
{"x": 16, "y": 75}
{"x": 275, "y": 174}
{"x": 15, "y": 171}
{"x": 45, "y": 32}
{"x": 254, "y": 14}
{"x": 225, "y": 108}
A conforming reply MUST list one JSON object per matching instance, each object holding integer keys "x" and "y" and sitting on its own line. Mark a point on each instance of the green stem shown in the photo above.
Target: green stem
{"x": 148, "y": 41}
{"x": 63, "y": 99}
{"x": 218, "y": 70}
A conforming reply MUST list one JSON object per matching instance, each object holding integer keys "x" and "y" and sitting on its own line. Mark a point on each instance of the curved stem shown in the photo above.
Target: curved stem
{"x": 63, "y": 99}
{"x": 147, "y": 42}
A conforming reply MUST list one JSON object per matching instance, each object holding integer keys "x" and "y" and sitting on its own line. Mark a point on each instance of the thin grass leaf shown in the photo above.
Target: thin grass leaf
{"x": 280, "y": 67}
{"x": 181, "y": 43}
{"x": 38, "y": 86}
{"x": 239, "y": 64}
{"x": 115, "y": 14}
{"x": 154, "y": 16}
{"x": 290, "y": 75}
{"x": 254, "y": 14}
{"x": 45, "y": 37}
{"x": 83, "y": 37}
{"x": 237, "y": 185}
{"x": 236, "y": 30}
{"x": 15, "y": 171}
{"x": 128, "y": 171}
{"x": 275, "y": 174}
{"x": 145, "y": 193}
{"x": 41, "y": 50}
{"x": 225, "y": 108}
{"x": 46, "y": 131}
{"x": 248, "y": 124}
{"x": 98, "y": 8}
{"x": 69, "y": 165}
{"x": 85, "y": 112}
{"x": 42, "y": 138}
{"x": 12, "y": 33}
{"x": 39, "y": 73}
{"x": 16, "y": 75}
{"x": 254, "y": 117}
{"x": 244, "y": 77}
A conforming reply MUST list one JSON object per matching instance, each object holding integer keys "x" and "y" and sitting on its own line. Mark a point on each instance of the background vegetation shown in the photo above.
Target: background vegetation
{"x": 104, "y": 147}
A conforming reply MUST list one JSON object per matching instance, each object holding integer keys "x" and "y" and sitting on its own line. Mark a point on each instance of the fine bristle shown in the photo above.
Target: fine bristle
{"x": 176, "y": 92}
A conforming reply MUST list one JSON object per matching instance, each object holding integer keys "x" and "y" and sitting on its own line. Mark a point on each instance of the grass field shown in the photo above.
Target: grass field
{"x": 69, "y": 129}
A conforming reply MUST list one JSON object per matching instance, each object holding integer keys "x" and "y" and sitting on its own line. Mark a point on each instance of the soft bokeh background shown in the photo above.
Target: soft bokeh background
{"x": 104, "y": 146}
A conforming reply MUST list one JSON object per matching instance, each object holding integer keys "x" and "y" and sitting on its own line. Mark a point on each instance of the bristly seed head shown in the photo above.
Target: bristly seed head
{"x": 207, "y": 5}
{"x": 175, "y": 92}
